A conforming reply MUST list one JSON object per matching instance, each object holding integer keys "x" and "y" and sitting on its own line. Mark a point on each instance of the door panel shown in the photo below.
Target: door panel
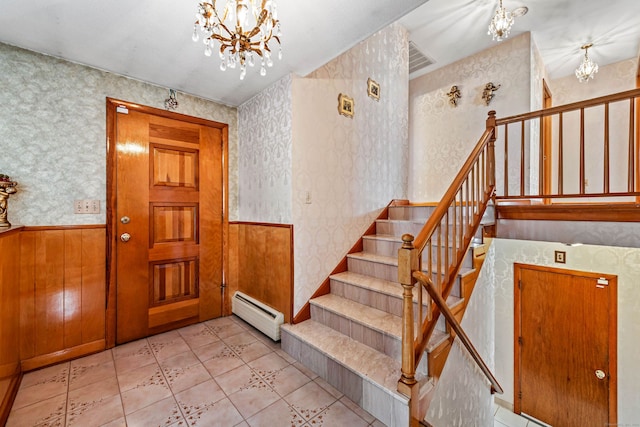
{"x": 169, "y": 216}
{"x": 564, "y": 322}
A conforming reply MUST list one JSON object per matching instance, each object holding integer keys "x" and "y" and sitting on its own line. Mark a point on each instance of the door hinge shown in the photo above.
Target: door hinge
{"x": 519, "y": 340}
{"x": 519, "y": 284}
{"x": 520, "y": 395}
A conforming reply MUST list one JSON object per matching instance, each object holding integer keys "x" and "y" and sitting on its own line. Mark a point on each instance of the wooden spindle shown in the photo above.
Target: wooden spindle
{"x": 560, "y": 159}
{"x": 522, "y": 151}
{"x": 408, "y": 261}
{"x": 582, "y": 173}
{"x": 606, "y": 148}
{"x": 541, "y": 183}
{"x": 631, "y": 186}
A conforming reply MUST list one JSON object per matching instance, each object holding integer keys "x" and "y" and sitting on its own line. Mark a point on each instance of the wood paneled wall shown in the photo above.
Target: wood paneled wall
{"x": 62, "y": 293}
{"x": 9, "y": 320}
{"x": 261, "y": 264}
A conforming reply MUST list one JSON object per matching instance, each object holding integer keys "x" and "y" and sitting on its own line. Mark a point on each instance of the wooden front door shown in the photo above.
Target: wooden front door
{"x": 167, "y": 222}
{"x": 565, "y": 349}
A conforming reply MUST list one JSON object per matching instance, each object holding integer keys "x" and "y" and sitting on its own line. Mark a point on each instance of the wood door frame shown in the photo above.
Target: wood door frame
{"x": 613, "y": 332}
{"x": 111, "y": 291}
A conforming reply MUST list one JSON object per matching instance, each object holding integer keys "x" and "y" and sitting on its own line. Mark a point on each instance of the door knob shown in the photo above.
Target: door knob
{"x": 125, "y": 219}
{"x": 600, "y": 374}
{"x": 125, "y": 237}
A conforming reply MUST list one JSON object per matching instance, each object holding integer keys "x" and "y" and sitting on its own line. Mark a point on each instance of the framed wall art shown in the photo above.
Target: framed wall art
{"x": 345, "y": 105}
{"x": 373, "y": 89}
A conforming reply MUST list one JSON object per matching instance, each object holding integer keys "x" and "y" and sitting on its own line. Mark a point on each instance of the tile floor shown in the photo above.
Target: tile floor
{"x": 219, "y": 373}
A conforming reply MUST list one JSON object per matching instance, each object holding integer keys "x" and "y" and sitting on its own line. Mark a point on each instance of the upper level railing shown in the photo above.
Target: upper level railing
{"x": 446, "y": 236}
{"x": 579, "y": 150}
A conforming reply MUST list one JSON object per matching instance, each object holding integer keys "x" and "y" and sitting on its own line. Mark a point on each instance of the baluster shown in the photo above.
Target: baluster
{"x": 541, "y": 159}
{"x": 606, "y": 148}
{"x": 446, "y": 247}
{"x": 631, "y": 186}
{"x": 506, "y": 161}
{"x": 522, "y": 151}
{"x": 582, "y": 174}
{"x": 560, "y": 153}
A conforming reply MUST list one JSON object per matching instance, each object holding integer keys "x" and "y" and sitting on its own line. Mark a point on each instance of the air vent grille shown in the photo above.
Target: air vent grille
{"x": 417, "y": 59}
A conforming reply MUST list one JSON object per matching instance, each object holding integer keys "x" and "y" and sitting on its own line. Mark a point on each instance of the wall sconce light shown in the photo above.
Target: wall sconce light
{"x": 454, "y": 95}
{"x": 489, "y": 92}
{"x": 171, "y": 103}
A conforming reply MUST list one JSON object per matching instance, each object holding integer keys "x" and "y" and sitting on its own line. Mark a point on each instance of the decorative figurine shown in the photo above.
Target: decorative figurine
{"x": 7, "y": 187}
{"x": 454, "y": 95}
{"x": 488, "y": 92}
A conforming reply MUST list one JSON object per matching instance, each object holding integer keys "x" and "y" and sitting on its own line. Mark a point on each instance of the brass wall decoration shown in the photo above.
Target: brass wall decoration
{"x": 488, "y": 92}
{"x": 373, "y": 89}
{"x": 345, "y": 105}
{"x": 7, "y": 187}
{"x": 454, "y": 95}
{"x": 171, "y": 103}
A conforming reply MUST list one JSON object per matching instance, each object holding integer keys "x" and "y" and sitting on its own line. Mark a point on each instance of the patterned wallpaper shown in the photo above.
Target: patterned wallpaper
{"x": 53, "y": 133}
{"x": 463, "y": 394}
{"x": 442, "y": 136}
{"x": 264, "y": 165}
{"x": 623, "y": 262}
{"x": 350, "y": 168}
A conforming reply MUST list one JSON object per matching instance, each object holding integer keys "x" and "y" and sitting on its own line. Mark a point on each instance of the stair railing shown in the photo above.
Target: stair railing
{"x": 447, "y": 236}
{"x": 553, "y": 153}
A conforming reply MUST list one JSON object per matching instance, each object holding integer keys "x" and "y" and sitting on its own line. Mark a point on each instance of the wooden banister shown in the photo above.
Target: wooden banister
{"x": 426, "y": 282}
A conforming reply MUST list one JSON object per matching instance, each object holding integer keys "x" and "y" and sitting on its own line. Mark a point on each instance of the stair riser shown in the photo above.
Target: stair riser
{"x": 388, "y": 407}
{"x": 389, "y": 303}
{"x": 398, "y": 228}
{"x": 385, "y": 271}
{"x": 410, "y": 212}
{"x": 390, "y": 248}
{"x": 380, "y": 341}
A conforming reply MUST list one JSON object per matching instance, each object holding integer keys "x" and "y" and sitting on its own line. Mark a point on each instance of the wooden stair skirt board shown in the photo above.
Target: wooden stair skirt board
{"x": 351, "y": 336}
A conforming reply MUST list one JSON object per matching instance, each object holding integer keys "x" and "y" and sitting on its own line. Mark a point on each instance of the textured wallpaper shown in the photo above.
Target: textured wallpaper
{"x": 442, "y": 136}
{"x": 347, "y": 168}
{"x": 53, "y": 133}
{"x": 463, "y": 394}
{"x": 623, "y": 262}
{"x": 264, "y": 165}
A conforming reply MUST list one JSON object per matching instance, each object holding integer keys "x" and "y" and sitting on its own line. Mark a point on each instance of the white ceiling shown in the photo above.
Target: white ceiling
{"x": 150, "y": 40}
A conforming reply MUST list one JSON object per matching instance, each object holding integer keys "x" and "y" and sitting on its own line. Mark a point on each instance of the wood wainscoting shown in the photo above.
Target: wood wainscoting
{"x": 261, "y": 264}
{"x": 9, "y": 319}
{"x": 62, "y": 293}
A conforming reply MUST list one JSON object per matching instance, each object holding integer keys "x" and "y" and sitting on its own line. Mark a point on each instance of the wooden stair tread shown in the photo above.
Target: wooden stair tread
{"x": 357, "y": 357}
{"x": 373, "y": 318}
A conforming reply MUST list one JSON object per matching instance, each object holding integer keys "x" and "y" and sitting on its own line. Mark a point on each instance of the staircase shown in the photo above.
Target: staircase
{"x": 353, "y": 338}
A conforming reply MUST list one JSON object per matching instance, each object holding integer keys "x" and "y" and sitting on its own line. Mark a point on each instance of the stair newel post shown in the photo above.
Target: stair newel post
{"x": 491, "y": 169}
{"x": 408, "y": 262}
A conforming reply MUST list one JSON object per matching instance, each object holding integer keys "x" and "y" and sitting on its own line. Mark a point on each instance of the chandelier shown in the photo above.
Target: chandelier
{"x": 587, "y": 68}
{"x": 242, "y": 30}
{"x": 503, "y": 20}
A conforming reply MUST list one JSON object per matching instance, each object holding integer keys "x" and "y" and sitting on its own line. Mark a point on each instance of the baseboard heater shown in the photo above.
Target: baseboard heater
{"x": 262, "y": 317}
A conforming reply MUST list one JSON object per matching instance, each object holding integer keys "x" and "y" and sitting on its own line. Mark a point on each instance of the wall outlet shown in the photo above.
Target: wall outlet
{"x": 86, "y": 207}
{"x": 561, "y": 257}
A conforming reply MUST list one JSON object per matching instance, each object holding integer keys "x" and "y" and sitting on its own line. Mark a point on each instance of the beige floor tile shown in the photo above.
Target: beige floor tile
{"x": 198, "y": 335}
{"x": 215, "y": 349}
{"x": 120, "y": 422}
{"x": 308, "y": 372}
{"x": 204, "y": 394}
{"x": 143, "y": 387}
{"x": 252, "y": 351}
{"x": 86, "y": 373}
{"x": 328, "y": 387}
{"x": 132, "y": 356}
{"x": 287, "y": 380}
{"x": 276, "y": 414}
{"x": 49, "y": 412}
{"x": 227, "y": 331}
{"x": 268, "y": 364}
{"x": 42, "y": 385}
{"x": 180, "y": 379}
{"x": 162, "y": 413}
{"x": 182, "y": 360}
{"x": 338, "y": 414}
{"x": 236, "y": 379}
{"x": 222, "y": 362}
{"x": 358, "y": 410}
{"x": 167, "y": 345}
{"x": 310, "y": 400}
{"x": 94, "y": 412}
{"x": 254, "y": 397}
{"x": 212, "y": 414}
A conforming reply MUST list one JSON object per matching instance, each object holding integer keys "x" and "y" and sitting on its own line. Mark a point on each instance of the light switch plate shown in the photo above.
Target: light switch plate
{"x": 86, "y": 207}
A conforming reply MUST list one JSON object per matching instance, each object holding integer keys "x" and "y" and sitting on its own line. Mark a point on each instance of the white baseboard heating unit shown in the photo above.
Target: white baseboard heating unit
{"x": 262, "y": 317}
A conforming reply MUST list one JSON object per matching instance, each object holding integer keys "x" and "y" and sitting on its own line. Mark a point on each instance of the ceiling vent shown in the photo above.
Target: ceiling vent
{"x": 417, "y": 59}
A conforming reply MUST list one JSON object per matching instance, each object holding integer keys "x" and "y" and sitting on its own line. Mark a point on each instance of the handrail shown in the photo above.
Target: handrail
{"x": 455, "y": 325}
{"x": 435, "y": 218}
{"x": 574, "y": 106}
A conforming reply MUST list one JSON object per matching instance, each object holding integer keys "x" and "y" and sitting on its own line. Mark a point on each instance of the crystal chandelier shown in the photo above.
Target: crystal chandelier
{"x": 501, "y": 24}
{"x": 243, "y": 30}
{"x": 587, "y": 68}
